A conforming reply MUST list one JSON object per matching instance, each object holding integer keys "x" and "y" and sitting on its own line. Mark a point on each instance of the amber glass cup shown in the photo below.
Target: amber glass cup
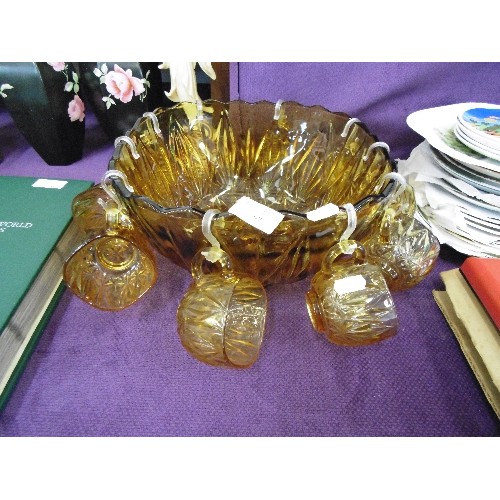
{"x": 221, "y": 318}
{"x": 114, "y": 265}
{"x": 349, "y": 301}
{"x": 399, "y": 244}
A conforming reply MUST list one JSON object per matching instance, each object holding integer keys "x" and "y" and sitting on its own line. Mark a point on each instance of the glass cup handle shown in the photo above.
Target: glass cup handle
{"x": 345, "y": 252}
{"x": 199, "y": 262}
{"x": 213, "y": 254}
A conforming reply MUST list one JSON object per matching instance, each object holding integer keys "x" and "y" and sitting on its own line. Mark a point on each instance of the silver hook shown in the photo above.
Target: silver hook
{"x": 376, "y": 145}
{"x": 348, "y": 126}
{"x": 154, "y": 119}
{"x": 130, "y": 142}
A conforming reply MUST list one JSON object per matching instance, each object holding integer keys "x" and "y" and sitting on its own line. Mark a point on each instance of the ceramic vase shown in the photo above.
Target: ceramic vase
{"x": 44, "y": 103}
{"x": 120, "y": 92}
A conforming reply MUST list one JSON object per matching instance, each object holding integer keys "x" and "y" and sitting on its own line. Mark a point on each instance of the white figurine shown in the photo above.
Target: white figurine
{"x": 183, "y": 80}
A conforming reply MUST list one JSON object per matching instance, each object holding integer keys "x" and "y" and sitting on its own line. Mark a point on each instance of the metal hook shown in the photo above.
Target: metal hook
{"x": 376, "y": 145}
{"x": 130, "y": 142}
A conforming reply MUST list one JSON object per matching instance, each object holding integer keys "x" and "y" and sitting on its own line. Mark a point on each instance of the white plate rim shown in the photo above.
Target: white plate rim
{"x": 480, "y": 203}
{"x": 488, "y": 175}
{"x": 476, "y": 130}
{"x": 479, "y": 148}
{"x": 432, "y": 123}
{"x": 475, "y": 138}
{"x": 467, "y": 177}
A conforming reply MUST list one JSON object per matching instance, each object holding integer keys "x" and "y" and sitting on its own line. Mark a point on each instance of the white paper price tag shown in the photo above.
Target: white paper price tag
{"x": 49, "y": 183}
{"x": 256, "y": 214}
{"x": 349, "y": 284}
{"x": 323, "y": 212}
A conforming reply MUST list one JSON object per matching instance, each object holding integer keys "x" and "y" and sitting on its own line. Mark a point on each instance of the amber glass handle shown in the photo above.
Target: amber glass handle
{"x": 199, "y": 264}
{"x": 345, "y": 252}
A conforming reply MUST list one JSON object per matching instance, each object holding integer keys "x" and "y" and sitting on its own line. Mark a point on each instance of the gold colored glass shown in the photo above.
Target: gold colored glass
{"x": 349, "y": 301}
{"x": 221, "y": 318}
{"x": 114, "y": 265}
{"x": 290, "y": 157}
{"x": 400, "y": 245}
{"x": 190, "y": 161}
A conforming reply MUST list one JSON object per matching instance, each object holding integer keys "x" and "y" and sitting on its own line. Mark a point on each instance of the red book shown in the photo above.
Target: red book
{"x": 483, "y": 276}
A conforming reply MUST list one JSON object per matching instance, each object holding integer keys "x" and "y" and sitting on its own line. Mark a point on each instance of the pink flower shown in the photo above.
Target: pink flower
{"x": 122, "y": 85}
{"x": 76, "y": 109}
{"x": 58, "y": 66}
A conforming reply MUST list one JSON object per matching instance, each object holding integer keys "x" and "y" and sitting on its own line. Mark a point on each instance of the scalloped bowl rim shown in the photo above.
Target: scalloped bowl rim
{"x": 126, "y": 193}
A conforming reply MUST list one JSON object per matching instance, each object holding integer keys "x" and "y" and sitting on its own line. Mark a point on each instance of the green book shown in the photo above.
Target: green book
{"x": 36, "y": 237}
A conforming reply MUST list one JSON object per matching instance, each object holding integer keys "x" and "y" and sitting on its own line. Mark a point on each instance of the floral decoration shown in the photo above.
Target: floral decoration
{"x": 4, "y": 87}
{"x": 76, "y": 107}
{"x": 58, "y": 66}
{"x": 121, "y": 84}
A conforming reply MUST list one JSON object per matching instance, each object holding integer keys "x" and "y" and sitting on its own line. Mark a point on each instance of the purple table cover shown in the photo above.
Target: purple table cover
{"x": 97, "y": 373}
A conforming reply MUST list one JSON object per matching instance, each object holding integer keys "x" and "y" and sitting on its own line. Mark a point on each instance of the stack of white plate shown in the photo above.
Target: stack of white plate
{"x": 456, "y": 175}
{"x": 479, "y": 130}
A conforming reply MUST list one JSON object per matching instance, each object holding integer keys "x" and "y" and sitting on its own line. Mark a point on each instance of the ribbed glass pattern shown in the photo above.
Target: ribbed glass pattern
{"x": 221, "y": 318}
{"x": 400, "y": 245}
{"x": 292, "y": 158}
{"x": 114, "y": 265}
{"x": 349, "y": 301}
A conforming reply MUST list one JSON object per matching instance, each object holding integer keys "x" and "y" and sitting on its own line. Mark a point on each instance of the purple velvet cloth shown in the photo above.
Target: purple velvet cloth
{"x": 125, "y": 373}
